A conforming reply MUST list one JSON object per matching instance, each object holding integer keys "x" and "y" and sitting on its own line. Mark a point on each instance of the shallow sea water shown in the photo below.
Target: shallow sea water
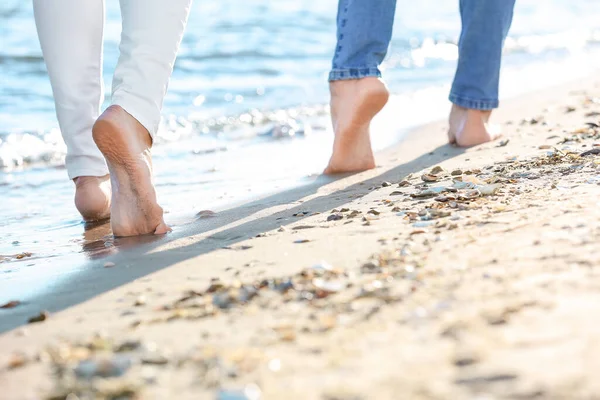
{"x": 246, "y": 111}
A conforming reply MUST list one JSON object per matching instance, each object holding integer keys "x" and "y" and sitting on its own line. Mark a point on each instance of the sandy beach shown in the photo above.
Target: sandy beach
{"x": 443, "y": 274}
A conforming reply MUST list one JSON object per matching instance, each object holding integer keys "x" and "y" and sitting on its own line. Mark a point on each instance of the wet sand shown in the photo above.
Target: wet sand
{"x": 444, "y": 273}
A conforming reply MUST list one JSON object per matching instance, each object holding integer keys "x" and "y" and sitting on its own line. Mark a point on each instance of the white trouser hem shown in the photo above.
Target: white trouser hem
{"x": 86, "y": 166}
{"x": 144, "y": 115}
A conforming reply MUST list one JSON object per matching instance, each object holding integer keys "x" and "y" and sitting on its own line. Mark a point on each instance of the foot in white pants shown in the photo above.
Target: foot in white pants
{"x": 118, "y": 141}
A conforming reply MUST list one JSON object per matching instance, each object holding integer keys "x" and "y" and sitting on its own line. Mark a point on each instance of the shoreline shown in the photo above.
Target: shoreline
{"x": 486, "y": 315}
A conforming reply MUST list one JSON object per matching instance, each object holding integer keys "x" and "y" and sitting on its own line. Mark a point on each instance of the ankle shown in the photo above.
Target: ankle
{"x": 92, "y": 197}
{"x": 366, "y": 86}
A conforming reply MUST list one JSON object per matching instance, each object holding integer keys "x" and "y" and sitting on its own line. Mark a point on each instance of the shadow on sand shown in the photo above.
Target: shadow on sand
{"x": 93, "y": 279}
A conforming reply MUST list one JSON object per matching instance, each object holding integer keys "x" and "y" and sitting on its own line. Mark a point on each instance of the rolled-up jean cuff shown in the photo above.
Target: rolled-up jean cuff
{"x": 353, "y": 73}
{"x": 473, "y": 104}
{"x": 141, "y": 112}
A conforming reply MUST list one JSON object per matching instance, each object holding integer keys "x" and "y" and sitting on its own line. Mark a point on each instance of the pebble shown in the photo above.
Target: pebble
{"x": 105, "y": 368}
{"x": 335, "y": 217}
{"x": 140, "y": 301}
{"x": 429, "y": 178}
{"x": 424, "y": 224}
{"x": 42, "y": 316}
{"x": 206, "y": 214}
{"x": 23, "y": 255}
{"x": 17, "y": 360}
{"x": 154, "y": 358}
{"x": 11, "y": 304}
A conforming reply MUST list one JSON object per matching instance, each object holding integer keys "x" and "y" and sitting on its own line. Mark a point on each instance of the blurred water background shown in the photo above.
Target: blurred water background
{"x": 247, "y": 112}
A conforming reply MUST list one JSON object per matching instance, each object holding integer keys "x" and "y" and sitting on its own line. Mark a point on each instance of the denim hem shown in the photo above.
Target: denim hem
{"x": 353, "y": 73}
{"x": 473, "y": 104}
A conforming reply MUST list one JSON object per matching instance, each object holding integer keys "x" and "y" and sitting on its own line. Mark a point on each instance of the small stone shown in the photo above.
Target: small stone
{"x": 327, "y": 287}
{"x": 17, "y": 360}
{"x": 286, "y": 333}
{"x": 354, "y": 214}
{"x": 140, "y": 301}
{"x": 302, "y": 227}
{"x": 436, "y": 170}
{"x": 373, "y": 212}
{"x": 386, "y": 184}
{"x": 104, "y": 368}
{"x": 23, "y": 255}
{"x": 429, "y": 178}
{"x": 154, "y": 358}
{"x": 370, "y": 267}
{"x": 424, "y": 224}
{"x": 129, "y": 345}
{"x": 404, "y": 183}
{"x": 322, "y": 267}
{"x": 11, "y": 304}
{"x": 456, "y": 172}
{"x": 206, "y": 214}
{"x": 335, "y": 217}
{"x": 41, "y": 317}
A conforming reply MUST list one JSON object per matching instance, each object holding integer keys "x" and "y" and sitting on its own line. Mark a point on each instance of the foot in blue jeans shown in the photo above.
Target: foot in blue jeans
{"x": 354, "y": 103}
{"x": 364, "y": 30}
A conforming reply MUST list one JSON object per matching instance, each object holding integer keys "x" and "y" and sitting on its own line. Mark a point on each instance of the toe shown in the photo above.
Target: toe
{"x": 162, "y": 229}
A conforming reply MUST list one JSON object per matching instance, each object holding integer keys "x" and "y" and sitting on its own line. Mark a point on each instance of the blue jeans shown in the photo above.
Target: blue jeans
{"x": 364, "y": 31}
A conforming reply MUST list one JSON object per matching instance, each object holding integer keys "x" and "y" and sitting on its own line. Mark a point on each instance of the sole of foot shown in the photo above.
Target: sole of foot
{"x": 126, "y": 144}
{"x": 469, "y": 127}
{"x": 354, "y": 104}
{"x": 92, "y": 197}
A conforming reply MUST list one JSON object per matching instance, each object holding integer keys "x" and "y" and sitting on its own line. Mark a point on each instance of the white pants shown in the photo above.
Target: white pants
{"x": 71, "y": 35}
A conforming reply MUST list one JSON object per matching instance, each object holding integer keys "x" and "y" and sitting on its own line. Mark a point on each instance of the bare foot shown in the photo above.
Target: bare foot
{"x": 468, "y": 127}
{"x": 354, "y": 103}
{"x": 92, "y": 197}
{"x": 126, "y": 145}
